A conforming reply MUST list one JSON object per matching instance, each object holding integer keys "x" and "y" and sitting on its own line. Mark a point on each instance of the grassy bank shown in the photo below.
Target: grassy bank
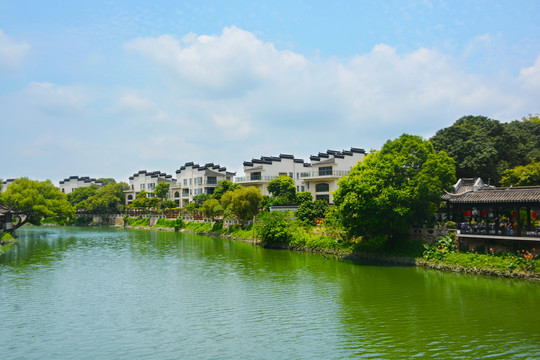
{"x": 444, "y": 256}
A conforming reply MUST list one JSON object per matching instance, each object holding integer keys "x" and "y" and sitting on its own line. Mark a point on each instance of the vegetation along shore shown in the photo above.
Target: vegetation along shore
{"x": 374, "y": 207}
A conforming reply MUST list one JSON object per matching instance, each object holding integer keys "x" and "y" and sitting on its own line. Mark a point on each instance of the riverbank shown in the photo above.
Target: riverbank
{"x": 356, "y": 252}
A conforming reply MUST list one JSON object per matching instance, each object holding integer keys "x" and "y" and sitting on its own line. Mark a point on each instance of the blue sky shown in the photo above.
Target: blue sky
{"x": 105, "y": 88}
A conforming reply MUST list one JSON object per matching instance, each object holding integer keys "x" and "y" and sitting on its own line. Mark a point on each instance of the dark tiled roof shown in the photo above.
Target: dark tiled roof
{"x": 496, "y": 196}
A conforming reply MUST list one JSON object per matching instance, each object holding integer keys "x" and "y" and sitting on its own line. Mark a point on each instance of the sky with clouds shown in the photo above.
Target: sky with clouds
{"x": 106, "y": 88}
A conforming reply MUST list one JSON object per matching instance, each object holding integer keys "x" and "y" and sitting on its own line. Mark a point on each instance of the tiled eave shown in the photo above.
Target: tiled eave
{"x": 496, "y": 196}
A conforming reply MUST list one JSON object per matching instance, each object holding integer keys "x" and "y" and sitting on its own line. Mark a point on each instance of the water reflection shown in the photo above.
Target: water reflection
{"x": 101, "y": 293}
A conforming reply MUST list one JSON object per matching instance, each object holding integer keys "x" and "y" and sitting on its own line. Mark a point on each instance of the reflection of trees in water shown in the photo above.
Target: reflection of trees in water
{"x": 37, "y": 246}
{"x": 400, "y": 312}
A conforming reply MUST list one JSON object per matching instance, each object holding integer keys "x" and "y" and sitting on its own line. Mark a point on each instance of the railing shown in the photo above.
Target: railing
{"x": 322, "y": 173}
{"x": 210, "y": 182}
{"x": 500, "y": 230}
{"x": 241, "y": 179}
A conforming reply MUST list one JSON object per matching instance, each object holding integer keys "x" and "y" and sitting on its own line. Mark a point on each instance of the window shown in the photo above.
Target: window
{"x": 142, "y": 186}
{"x": 255, "y": 175}
{"x": 297, "y": 188}
{"x": 325, "y": 170}
{"x": 323, "y": 187}
{"x": 190, "y": 191}
{"x": 290, "y": 175}
{"x": 302, "y": 188}
{"x": 185, "y": 181}
{"x": 177, "y": 194}
{"x": 63, "y": 190}
{"x": 323, "y": 197}
{"x": 190, "y": 181}
{"x": 211, "y": 180}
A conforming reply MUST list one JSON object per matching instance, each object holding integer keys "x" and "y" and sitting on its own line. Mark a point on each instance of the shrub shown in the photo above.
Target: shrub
{"x": 276, "y": 227}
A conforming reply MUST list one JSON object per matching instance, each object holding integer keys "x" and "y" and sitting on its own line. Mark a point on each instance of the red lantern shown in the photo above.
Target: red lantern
{"x": 514, "y": 214}
{"x": 483, "y": 213}
{"x": 469, "y": 213}
{"x": 533, "y": 214}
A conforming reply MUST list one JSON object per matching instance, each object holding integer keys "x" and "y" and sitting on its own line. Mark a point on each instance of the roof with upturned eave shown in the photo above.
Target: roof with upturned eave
{"x": 529, "y": 194}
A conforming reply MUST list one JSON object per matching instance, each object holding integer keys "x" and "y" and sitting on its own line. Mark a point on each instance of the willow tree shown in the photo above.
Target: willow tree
{"x": 394, "y": 188}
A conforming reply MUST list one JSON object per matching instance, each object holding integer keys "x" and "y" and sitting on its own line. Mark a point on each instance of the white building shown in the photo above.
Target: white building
{"x": 193, "y": 180}
{"x": 73, "y": 182}
{"x": 147, "y": 181}
{"x": 327, "y": 168}
{"x": 6, "y": 183}
{"x": 259, "y": 172}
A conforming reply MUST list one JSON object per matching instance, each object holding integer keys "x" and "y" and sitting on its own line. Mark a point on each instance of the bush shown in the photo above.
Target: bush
{"x": 276, "y": 227}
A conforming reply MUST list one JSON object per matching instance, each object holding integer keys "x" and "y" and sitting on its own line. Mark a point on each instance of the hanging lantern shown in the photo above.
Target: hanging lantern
{"x": 483, "y": 213}
{"x": 469, "y": 213}
{"x": 514, "y": 214}
{"x": 533, "y": 214}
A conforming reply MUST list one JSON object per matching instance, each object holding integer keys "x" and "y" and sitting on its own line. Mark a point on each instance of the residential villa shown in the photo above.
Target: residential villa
{"x": 6, "y": 183}
{"x": 73, "y": 182}
{"x": 321, "y": 179}
{"x": 194, "y": 179}
{"x": 259, "y": 172}
{"x": 147, "y": 181}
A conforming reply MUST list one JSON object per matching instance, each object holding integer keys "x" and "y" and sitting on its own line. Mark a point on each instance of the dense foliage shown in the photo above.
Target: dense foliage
{"x": 224, "y": 186}
{"x": 483, "y": 147}
{"x": 244, "y": 202}
{"x": 283, "y": 190}
{"x": 393, "y": 188}
{"x": 528, "y": 175}
{"x": 36, "y": 200}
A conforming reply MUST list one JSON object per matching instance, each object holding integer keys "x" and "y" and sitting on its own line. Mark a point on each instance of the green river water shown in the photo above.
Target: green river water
{"x": 103, "y": 293}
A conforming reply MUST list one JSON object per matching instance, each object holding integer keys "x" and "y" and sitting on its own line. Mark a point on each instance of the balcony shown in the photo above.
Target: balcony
{"x": 324, "y": 174}
{"x": 254, "y": 179}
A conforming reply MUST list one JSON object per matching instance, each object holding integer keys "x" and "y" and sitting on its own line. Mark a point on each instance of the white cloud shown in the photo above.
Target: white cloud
{"x": 230, "y": 97}
{"x": 12, "y": 53}
{"x": 530, "y": 76}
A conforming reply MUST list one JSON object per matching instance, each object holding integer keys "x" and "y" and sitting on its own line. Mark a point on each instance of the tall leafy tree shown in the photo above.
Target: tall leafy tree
{"x": 394, "y": 188}
{"x": 36, "y": 200}
{"x": 162, "y": 190}
{"x": 224, "y": 186}
{"x": 528, "y": 175}
{"x": 109, "y": 199}
{"x": 244, "y": 202}
{"x": 283, "y": 190}
{"x": 78, "y": 196}
{"x": 481, "y": 147}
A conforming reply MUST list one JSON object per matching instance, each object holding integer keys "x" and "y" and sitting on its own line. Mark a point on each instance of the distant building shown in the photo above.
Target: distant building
{"x": 73, "y": 182}
{"x": 194, "y": 179}
{"x": 327, "y": 168}
{"x": 147, "y": 181}
{"x": 259, "y": 172}
{"x": 6, "y": 183}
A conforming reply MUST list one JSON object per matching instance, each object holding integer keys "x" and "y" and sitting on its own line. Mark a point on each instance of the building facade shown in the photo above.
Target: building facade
{"x": 321, "y": 179}
{"x": 194, "y": 179}
{"x": 73, "y": 182}
{"x": 147, "y": 181}
{"x": 259, "y": 172}
{"x": 6, "y": 183}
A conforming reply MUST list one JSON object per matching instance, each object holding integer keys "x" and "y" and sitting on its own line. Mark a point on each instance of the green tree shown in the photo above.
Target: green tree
{"x": 212, "y": 208}
{"x": 107, "y": 181}
{"x": 162, "y": 190}
{"x": 481, "y": 147}
{"x": 309, "y": 211}
{"x": 304, "y": 196}
{"x": 224, "y": 186}
{"x": 78, "y": 196}
{"x": 525, "y": 141}
{"x": 200, "y": 199}
{"x": 168, "y": 204}
{"x": 144, "y": 202}
{"x": 109, "y": 199}
{"x": 528, "y": 175}
{"x": 244, "y": 202}
{"x": 283, "y": 190}
{"x": 394, "y": 188}
{"x": 36, "y": 200}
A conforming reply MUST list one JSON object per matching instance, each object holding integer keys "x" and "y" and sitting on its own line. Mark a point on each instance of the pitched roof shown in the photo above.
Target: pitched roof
{"x": 529, "y": 194}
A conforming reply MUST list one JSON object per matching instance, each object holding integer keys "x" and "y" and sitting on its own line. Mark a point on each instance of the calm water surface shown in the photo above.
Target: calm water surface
{"x": 80, "y": 293}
